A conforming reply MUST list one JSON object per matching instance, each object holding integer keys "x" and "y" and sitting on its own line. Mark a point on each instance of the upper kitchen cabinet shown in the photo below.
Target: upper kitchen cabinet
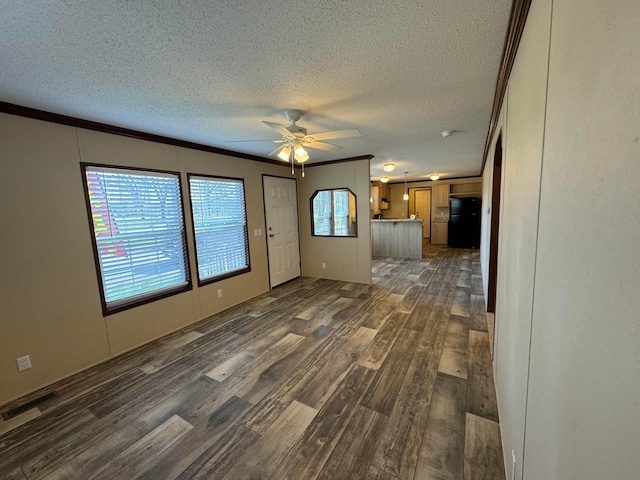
{"x": 375, "y": 199}
{"x": 441, "y": 195}
{"x": 380, "y": 196}
{"x": 470, "y": 189}
{"x": 384, "y": 196}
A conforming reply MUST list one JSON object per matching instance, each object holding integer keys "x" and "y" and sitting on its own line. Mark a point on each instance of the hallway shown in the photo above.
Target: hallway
{"x": 314, "y": 379}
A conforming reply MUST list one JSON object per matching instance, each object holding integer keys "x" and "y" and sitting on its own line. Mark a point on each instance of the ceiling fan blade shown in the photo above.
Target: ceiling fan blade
{"x": 352, "y": 132}
{"x": 278, "y": 128}
{"x": 246, "y": 141}
{"x": 322, "y": 146}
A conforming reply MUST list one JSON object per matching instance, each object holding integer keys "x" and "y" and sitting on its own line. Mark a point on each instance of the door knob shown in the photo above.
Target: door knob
{"x": 271, "y": 235}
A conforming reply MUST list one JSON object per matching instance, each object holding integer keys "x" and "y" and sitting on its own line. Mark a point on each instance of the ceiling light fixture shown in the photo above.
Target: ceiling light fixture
{"x": 405, "y": 197}
{"x": 388, "y": 167}
{"x": 292, "y": 150}
{"x": 384, "y": 179}
{"x": 301, "y": 154}
{"x": 284, "y": 153}
{"x": 434, "y": 177}
{"x": 447, "y": 133}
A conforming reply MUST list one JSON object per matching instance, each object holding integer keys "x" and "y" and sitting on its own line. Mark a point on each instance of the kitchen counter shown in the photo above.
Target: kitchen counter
{"x": 396, "y": 237}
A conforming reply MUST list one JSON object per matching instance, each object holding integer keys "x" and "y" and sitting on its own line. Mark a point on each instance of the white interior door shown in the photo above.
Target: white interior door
{"x": 283, "y": 242}
{"x": 423, "y": 210}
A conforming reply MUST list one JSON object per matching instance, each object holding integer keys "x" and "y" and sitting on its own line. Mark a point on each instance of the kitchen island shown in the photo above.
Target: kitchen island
{"x": 396, "y": 238}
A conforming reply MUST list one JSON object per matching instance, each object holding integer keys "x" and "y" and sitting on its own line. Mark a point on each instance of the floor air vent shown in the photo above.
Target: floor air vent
{"x": 27, "y": 406}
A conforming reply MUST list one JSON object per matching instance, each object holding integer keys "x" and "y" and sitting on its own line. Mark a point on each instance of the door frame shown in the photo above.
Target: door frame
{"x": 412, "y": 206}
{"x": 266, "y": 232}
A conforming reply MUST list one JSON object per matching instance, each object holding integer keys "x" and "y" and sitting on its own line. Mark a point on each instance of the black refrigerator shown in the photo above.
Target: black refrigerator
{"x": 464, "y": 222}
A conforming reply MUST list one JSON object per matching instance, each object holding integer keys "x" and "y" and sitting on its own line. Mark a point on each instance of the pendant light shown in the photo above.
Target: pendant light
{"x": 405, "y": 197}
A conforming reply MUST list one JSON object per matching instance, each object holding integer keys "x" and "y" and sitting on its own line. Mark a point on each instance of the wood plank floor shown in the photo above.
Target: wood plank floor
{"x": 314, "y": 379}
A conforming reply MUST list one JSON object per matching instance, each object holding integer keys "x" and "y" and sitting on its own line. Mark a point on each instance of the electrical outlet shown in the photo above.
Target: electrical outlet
{"x": 24, "y": 363}
{"x": 219, "y": 292}
{"x": 324, "y": 265}
{"x": 513, "y": 465}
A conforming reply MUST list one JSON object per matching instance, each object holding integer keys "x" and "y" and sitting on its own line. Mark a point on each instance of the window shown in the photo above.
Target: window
{"x": 340, "y": 213}
{"x": 220, "y": 227}
{"x": 322, "y": 213}
{"x": 334, "y": 213}
{"x": 138, "y": 234}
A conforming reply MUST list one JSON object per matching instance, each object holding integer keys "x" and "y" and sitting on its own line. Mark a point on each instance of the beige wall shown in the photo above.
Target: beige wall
{"x": 525, "y": 108}
{"x": 49, "y": 288}
{"x": 347, "y": 259}
{"x": 568, "y": 335}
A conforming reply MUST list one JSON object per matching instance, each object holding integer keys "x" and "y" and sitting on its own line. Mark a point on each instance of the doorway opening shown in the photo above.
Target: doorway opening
{"x": 495, "y": 226}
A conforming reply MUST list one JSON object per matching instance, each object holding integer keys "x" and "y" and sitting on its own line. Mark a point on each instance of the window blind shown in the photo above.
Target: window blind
{"x": 341, "y": 213}
{"x": 139, "y": 233}
{"x": 220, "y": 225}
{"x": 322, "y": 213}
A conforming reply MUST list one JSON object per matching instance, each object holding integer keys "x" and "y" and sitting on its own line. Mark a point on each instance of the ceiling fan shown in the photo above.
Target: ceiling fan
{"x": 295, "y": 139}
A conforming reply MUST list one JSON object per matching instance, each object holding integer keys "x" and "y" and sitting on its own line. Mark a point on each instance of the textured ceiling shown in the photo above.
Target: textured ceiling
{"x": 210, "y": 71}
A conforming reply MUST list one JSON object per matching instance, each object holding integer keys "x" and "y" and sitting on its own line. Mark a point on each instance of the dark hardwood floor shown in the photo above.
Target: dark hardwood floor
{"x": 314, "y": 379}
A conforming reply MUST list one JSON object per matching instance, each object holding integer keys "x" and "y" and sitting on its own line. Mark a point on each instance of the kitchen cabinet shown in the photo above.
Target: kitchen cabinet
{"x": 384, "y": 196}
{"x": 375, "y": 199}
{"x": 466, "y": 189}
{"x": 439, "y": 233}
{"x": 384, "y": 190}
{"x": 441, "y": 194}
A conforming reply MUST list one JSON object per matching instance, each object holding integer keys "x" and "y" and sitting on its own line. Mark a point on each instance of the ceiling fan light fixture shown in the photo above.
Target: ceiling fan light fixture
{"x": 285, "y": 153}
{"x": 384, "y": 179}
{"x": 294, "y": 138}
{"x": 388, "y": 167}
{"x": 434, "y": 177}
{"x": 301, "y": 154}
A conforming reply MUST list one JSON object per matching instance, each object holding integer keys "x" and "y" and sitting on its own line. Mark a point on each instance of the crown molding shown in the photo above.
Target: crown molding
{"x": 517, "y": 20}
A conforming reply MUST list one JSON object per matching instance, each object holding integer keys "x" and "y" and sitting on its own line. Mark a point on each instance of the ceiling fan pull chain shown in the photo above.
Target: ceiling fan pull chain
{"x": 303, "y": 170}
